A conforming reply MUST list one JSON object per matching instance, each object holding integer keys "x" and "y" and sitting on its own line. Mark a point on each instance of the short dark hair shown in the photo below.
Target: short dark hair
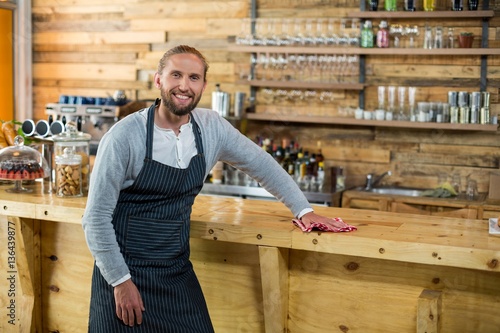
{"x": 181, "y": 49}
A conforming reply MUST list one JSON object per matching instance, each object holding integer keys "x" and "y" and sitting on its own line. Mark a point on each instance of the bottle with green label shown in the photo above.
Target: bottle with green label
{"x": 367, "y": 34}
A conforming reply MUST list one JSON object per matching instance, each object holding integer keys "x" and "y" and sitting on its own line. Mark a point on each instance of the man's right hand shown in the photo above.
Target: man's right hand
{"x": 129, "y": 305}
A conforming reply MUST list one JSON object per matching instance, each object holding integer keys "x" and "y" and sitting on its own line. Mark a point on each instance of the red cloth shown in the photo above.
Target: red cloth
{"x": 324, "y": 227}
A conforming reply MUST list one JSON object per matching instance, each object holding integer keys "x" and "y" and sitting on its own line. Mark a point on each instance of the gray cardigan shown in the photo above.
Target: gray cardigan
{"x": 120, "y": 158}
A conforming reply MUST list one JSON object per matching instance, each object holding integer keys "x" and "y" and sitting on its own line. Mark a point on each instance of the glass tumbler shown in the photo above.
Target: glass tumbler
{"x": 471, "y": 190}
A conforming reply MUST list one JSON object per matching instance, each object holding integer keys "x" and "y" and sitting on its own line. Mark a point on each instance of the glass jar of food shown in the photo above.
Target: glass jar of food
{"x": 79, "y": 143}
{"x": 69, "y": 174}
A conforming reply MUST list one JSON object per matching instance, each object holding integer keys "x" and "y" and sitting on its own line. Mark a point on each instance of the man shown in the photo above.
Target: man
{"x": 148, "y": 170}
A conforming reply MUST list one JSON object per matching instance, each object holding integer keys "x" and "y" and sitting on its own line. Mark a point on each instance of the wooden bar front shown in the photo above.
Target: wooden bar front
{"x": 397, "y": 273}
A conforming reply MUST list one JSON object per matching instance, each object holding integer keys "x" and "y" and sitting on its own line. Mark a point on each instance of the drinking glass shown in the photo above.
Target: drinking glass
{"x": 456, "y": 182}
{"x": 438, "y": 38}
{"x": 381, "y": 98}
{"x": 401, "y": 100}
{"x": 471, "y": 190}
{"x": 428, "y": 37}
{"x": 391, "y": 97}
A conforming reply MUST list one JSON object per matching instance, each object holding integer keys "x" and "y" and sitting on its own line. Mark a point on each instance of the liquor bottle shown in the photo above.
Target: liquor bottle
{"x": 390, "y": 5}
{"x": 410, "y": 5}
{"x": 457, "y": 5}
{"x": 373, "y": 5}
{"x": 429, "y": 5}
{"x": 320, "y": 179}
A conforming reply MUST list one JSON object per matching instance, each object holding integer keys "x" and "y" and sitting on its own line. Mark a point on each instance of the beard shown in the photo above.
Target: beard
{"x": 169, "y": 103}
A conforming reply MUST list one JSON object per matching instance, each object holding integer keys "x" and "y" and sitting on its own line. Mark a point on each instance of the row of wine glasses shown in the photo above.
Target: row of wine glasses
{"x": 342, "y": 32}
{"x": 323, "y": 68}
{"x": 296, "y": 96}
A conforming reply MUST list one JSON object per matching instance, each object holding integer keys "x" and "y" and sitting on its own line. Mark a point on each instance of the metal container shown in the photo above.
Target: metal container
{"x": 239, "y": 104}
{"x": 220, "y": 101}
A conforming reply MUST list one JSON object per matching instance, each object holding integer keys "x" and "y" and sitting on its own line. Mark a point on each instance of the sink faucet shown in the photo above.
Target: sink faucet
{"x": 371, "y": 183}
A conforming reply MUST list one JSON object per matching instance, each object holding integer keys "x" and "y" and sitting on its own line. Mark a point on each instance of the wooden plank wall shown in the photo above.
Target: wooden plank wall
{"x": 92, "y": 48}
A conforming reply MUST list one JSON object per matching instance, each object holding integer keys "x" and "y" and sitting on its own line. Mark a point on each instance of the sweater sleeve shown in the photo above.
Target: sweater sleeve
{"x": 232, "y": 147}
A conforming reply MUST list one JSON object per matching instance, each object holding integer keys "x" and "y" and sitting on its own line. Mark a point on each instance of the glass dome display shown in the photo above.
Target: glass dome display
{"x": 20, "y": 162}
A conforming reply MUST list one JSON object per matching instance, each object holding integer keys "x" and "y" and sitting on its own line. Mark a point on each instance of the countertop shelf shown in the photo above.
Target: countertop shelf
{"x": 375, "y": 123}
{"x": 363, "y": 51}
{"x": 423, "y": 14}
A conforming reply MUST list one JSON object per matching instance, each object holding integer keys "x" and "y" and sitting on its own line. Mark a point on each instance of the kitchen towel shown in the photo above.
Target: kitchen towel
{"x": 324, "y": 227}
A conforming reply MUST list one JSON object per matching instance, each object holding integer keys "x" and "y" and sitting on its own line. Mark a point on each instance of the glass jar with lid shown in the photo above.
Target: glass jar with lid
{"x": 79, "y": 142}
{"x": 20, "y": 163}
{"x": 69, "y": 173}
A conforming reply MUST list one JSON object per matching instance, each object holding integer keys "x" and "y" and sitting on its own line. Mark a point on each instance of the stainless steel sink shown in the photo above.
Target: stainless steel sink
{"x": 409, "y": 192}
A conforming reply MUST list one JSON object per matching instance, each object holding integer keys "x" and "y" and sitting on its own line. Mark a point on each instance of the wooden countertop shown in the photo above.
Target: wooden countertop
{"x": 382, "y": 235}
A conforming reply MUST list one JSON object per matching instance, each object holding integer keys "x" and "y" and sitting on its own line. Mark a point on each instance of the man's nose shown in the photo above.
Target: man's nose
{"x": 184, "y": 83}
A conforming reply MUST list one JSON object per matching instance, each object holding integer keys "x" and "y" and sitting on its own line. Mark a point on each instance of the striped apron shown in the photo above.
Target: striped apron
{"x": 152, "y": 222}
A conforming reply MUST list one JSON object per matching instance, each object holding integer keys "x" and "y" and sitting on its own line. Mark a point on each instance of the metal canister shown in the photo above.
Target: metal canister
{"x": 475, "y": 106}
{"x": 220, "y": 101}
{"x": 239, "y": 104}
{"x": 463, "y": 107}
{"x": 453, "y": 102}
{"x": 485, "y": 108}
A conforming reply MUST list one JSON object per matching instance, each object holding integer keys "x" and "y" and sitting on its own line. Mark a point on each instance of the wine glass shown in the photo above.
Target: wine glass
{"x": 411, "y": 32}
{"x": 396, "y": 30}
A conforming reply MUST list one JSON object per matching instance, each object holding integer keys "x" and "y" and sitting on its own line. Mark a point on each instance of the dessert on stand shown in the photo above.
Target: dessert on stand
{"x": 20, "y": 162}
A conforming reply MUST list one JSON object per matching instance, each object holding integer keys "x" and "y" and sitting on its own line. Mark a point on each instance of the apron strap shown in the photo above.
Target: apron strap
{"x": 150, "y": 129}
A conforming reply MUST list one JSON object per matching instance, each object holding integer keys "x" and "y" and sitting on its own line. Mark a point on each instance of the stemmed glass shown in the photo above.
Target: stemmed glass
{"x": 343, "y": 40}
{"x": 309, "y": 38}
{"x": 355, "y": 36}
{"x": 412, "y": 32}
{"x": 396, "y": 30}
{"x": 411, "y": 102}
{"x": 320, "y": 38}
{"x": 333, "y": 38}
{"x": 244, "y": 37}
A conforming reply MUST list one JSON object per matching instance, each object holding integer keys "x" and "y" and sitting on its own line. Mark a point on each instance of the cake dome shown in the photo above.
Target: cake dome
{"x": 20, "y": 162}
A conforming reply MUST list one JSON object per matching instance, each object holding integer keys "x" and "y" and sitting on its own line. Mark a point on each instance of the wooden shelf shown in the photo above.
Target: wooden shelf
{"x": 362, "y": 51}
{"x": 302, "y": 85}
{"x": 422, "y": 14}
{"x": 374, "y": 123}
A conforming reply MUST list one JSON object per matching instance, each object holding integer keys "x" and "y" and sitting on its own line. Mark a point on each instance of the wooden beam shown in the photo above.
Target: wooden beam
{"x": 274, "y": 277}
{"x": 428, "y": 311}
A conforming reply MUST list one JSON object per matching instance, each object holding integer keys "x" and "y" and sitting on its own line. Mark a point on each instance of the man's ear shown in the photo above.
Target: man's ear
{"x": 156, "y": 80}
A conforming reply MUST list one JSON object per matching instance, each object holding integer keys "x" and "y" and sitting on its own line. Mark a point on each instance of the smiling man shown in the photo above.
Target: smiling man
{"x": 148, "y": 170}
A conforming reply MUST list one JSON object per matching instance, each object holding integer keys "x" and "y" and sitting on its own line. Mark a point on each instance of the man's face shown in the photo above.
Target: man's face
{"x": 181, "y": 83}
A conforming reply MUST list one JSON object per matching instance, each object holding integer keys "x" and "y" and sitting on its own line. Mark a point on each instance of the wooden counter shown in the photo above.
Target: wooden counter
{"x": 397, "y": 273}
